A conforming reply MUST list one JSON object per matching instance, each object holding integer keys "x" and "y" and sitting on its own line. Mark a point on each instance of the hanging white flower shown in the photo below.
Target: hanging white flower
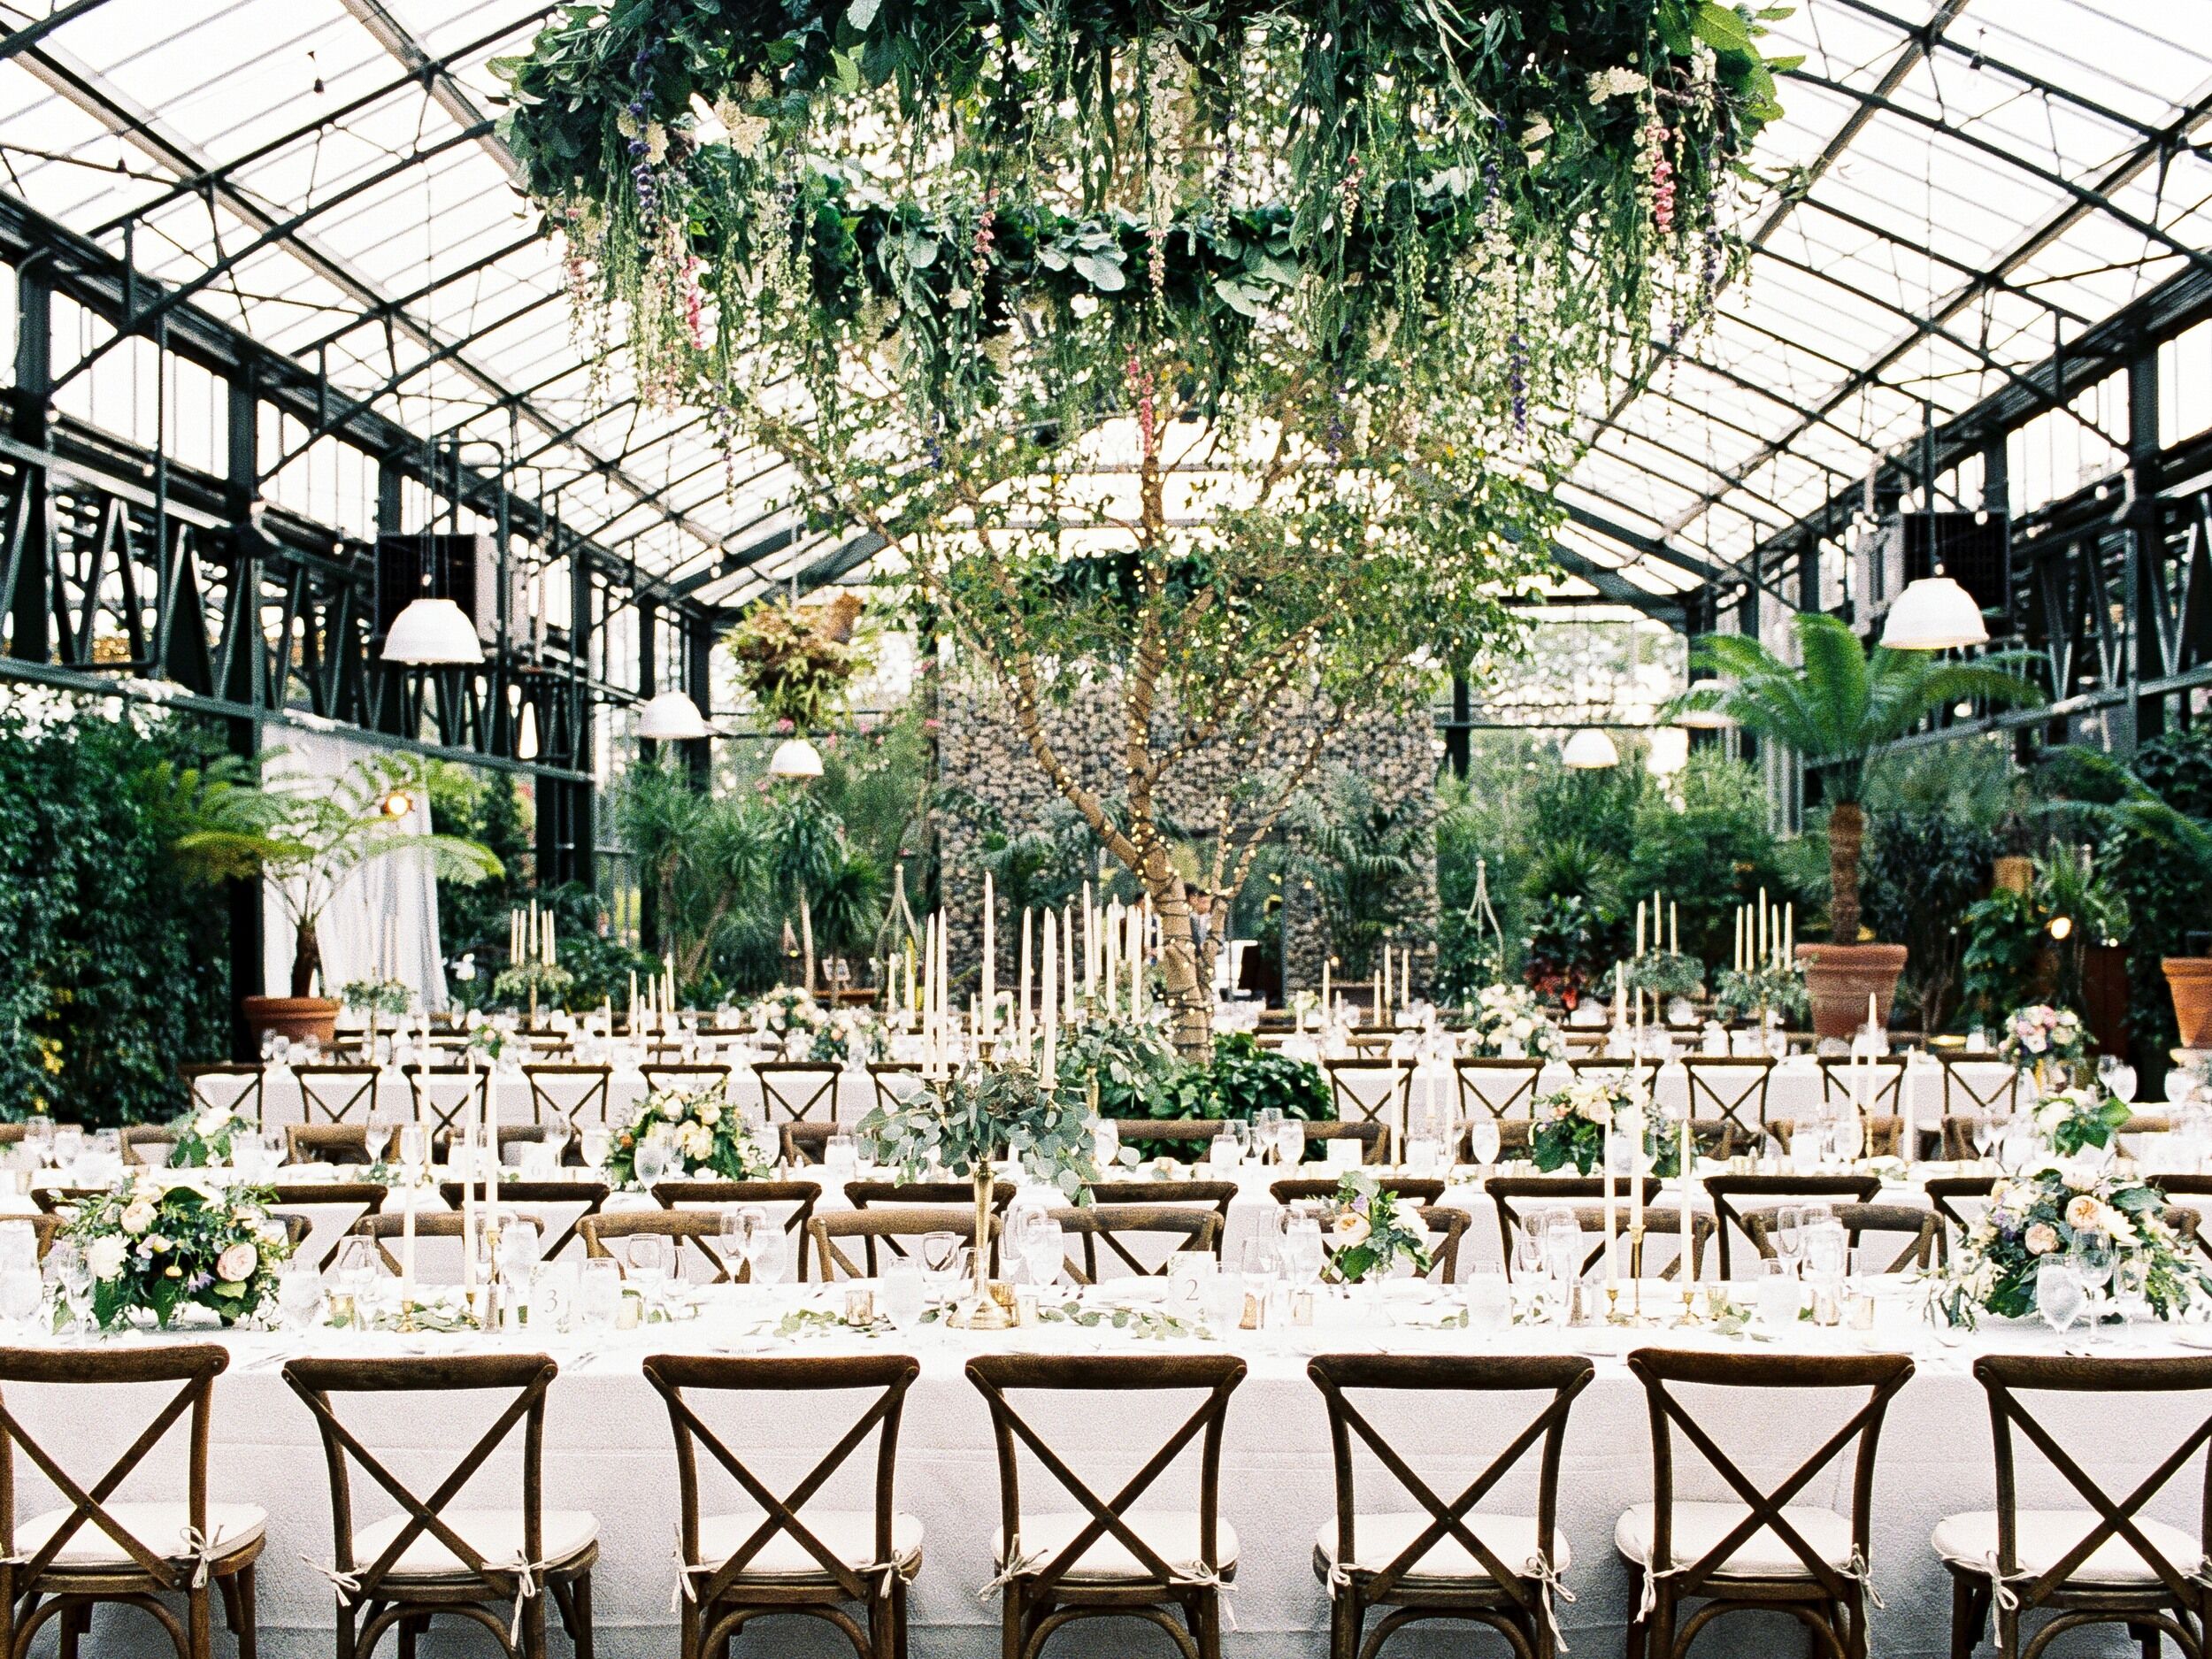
{"x": 1617, "y": 82}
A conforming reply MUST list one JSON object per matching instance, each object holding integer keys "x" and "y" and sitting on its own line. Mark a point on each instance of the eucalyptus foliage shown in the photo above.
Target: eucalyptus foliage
{"x": 961, "y": 1123}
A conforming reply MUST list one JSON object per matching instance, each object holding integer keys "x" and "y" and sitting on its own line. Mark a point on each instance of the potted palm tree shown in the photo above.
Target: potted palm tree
{"x": 1835, "y": 709}
{"x": 306, "y": 835}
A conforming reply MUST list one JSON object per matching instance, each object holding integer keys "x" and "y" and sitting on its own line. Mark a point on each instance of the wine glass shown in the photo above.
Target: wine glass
{"x": 650, "y": 1160}
{"x": 650, "y": 1257}
{"x": 1302, "y": 1253}
{"x": 1290, "y": 1142}
{"x": 1239, "y": 1130}
{"x": 1042, "y": 1251}
{"x": 374, "y": 1137}
{"x": 2117, "y": 1077}
{"x": 557, "y": 1138}
{"x": 2059, "y": 1295}
{"x": 67, "y": 1269}
{"x": 2092, "y": 1258}
{"x": 1788, "y": 1234}
{"x": 1484, "y": 1138}
{"x": 1265, "y": 1122}
{"x": 1528, "y": 1249}
{"x": 299, "y": 1295}
{"x": 22, "y": 1293}
{"x": 771, "y": 1257}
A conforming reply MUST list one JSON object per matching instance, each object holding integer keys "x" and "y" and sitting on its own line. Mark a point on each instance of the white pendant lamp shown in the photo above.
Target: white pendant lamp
{"x": 795, "y": 758}
{"x": 1706, "y": 719}
{"x": 1933, "y": 614}
{"x": 432, "y": 633}
{"x": 1589, "y": 751}
{"x": 672, "y": 718}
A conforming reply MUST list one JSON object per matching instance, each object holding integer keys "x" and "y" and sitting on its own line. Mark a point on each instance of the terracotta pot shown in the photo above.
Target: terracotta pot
{"x": 2190, "y": 980}
{"x": 293, "y": 1017}
{"x": 1840, "y": 977}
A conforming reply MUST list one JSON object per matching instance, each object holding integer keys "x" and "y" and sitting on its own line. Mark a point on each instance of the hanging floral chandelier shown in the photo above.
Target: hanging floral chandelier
{"x": 993, "y": 223}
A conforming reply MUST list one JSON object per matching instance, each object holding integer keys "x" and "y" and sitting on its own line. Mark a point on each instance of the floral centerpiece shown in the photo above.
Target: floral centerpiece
{"x": 963, "y": 1122}
{"x": 702, "y": 1132}
{"x": 390, "y": 998}
{"x": 1367, "y": 1234}
{"x": 155, "y": 1247}
{"x": 2034, "y": 1216}
{"x": 2076, "y": 1119}
{"x": 1509, "y": 1022}
{"x": 532, "y": 982}
{"x": 806, "y": 1030}
{"x": 1740, "y": 994}
{"x": 2039, "y": 1034}
{"x": 1663, "y": 974}
{"x": 203, "y": 1137}
{"x": 1570, "y": 1125}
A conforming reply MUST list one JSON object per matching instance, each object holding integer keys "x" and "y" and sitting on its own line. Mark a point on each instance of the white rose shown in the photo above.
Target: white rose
{"x": 137, "y": 1217}
{"x": 105, "y": 1255}
{"x": 1350, "y": 1229}
{"x": 211, "y": 1119}
{"x": 236, "y": 1264}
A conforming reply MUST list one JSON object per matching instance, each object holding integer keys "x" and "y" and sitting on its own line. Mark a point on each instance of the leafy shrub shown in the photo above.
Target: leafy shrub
{"x": 1922, "y": 869}
{"x": 118, "y": 971}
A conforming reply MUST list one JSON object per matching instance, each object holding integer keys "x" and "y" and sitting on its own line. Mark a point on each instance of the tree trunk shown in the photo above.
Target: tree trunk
{"x": 307, "y": 956}
{"x": 1847, "y": 834}
{"x": 1189, "y": 991}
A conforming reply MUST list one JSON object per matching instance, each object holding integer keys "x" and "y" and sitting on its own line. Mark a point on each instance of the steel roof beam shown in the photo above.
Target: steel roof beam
{"x": 142, "y": 129}
{"x": 19, "y": 41}
{"x": 2128, "y": 167}
{"x": 389, "y": 32}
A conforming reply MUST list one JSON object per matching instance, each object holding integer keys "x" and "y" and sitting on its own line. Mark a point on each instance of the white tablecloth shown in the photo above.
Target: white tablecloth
{"x": 611, "y": 1454}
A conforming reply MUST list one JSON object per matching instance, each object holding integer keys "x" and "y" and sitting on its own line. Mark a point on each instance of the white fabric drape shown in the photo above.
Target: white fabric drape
{"x": 357, "y": 941}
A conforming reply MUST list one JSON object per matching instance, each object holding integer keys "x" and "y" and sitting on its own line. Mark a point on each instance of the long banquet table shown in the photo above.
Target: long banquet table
{"x": 610, "y": 1452}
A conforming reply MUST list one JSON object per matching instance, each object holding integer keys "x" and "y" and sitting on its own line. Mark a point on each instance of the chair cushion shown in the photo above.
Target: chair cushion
{"x": 2044, "y": 1536}
{"x": 1172, "y": 1537}
{"x": 850, "y": 1535}
{"x": 1379, "y": 1540}
{"x": 161, "y": 1527}
{"x": 496, "y": 1535}
{"x": 1764, "y": 1555}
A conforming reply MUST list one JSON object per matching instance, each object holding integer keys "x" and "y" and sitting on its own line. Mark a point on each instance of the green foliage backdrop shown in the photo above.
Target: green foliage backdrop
{"x": 118, "y": 972}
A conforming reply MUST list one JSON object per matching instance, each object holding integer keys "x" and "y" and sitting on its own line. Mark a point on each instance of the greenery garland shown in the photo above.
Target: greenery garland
{"x": 955, "y": 184}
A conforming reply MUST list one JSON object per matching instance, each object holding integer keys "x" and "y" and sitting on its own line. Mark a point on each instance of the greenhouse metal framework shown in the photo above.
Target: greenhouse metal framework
{"x": 276, "y": 295}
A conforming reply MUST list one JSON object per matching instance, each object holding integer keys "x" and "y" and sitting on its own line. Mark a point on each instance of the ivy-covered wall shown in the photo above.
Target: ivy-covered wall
{"x": 115, "y": 972}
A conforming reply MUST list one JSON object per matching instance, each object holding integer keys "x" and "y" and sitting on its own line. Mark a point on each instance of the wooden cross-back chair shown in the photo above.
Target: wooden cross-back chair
{"x": 591, "y": 1196}
{"x": 44, "y": 1230}
{"x": 1111, "y": 1559}
{"x": 246, "y": 1100}
{"x": 805, "y": 1143}
{"x": 863, "y": 1194}
{"x": 1385, "y": 1107}
{"x": 1199, "y": 1132}
{"x": 385, "y": 1225}
{"x": 336, "y": 1093}
{"x": 795, "y": 1088}
{"x": 1885, "y": 1085}
{"x": 331, "y": 1143}
{"x": 1920, "y": 1228}
{"x": 446, "y": 1096}
{"x": 1112, "y": 1225}
{"x": 134, "y": 1139}
{"x": 1500, "y": 1088}
{"x": 788, "y": 1559}
{"x": 1514, "y": 1195}
{"x": 1962, "y": 1099}
{"x": 796, "y": 1200}
{"x": 2106, "y": 1564}
{"x": 1663, "y": 1225}
{"x": 686, "y": 1077}
{"x": 1214, "y": 1196}
{"x": 1730, "y": 1193}
{"x": 292, "y": 1198}
{"x": 1731, "y": 1085}
{"x": 891, "y": 1227}
{"x": 62, "y": 1563}
{"x": 569, "y": 1094}
{"x": 495, "y": 1568}
{"x": 1948, "y": 1195}
{"x": 1412, "y": 1189}
{"x": 1760, "y": 1550}
{"x": 1445, "y": 1560}
{"x": 891, "y": 1081}
{"x": 697, "y": 1231}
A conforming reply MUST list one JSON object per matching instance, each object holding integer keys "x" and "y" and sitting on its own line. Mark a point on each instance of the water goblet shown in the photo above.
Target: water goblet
{"x": 1042, "y": 1250}
{"x": 599, "y": 1295}
{"x": 1487, "y": 1298}
{"x": 771, "y": 1257}
{"x": 2059, "y": 1295}
{"x": 900, "y": 1286}
{"x": 1484, "y": 1138}
{"x": 1780, "y": 1295}
{"x": 2092, "y": 1258}
{"x": 299, "y": 1295}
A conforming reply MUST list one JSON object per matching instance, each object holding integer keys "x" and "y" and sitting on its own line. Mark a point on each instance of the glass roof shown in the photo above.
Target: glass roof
{"x": 2007, "y": 172}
